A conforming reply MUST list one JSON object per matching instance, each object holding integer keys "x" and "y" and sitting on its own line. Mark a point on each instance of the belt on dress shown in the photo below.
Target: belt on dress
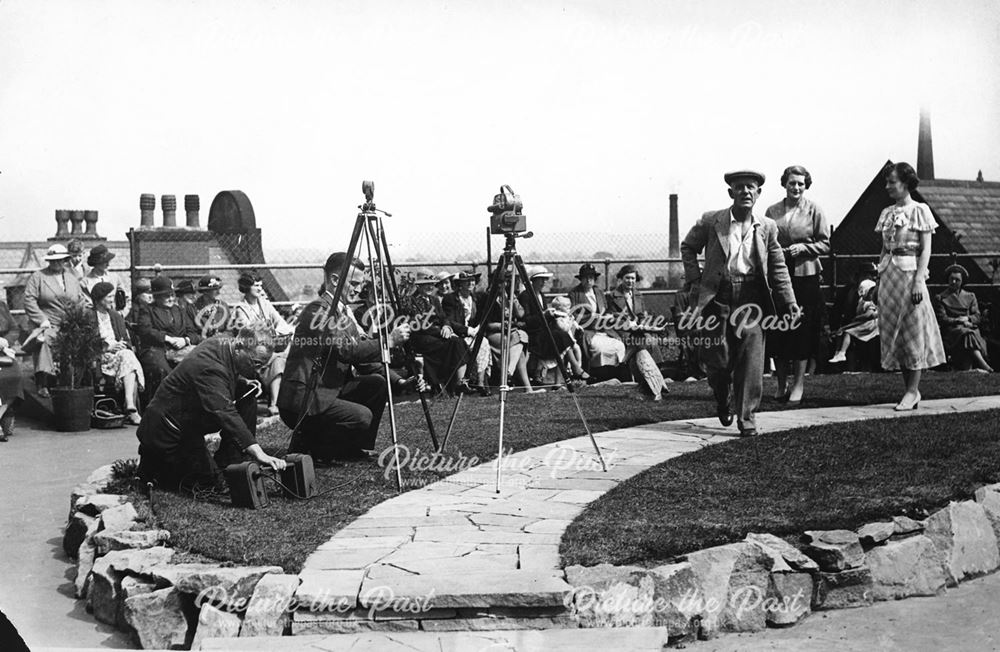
{"x": 904, "y": 252}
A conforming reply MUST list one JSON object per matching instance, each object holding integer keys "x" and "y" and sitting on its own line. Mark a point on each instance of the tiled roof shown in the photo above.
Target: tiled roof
{"x": 968, "y": 208}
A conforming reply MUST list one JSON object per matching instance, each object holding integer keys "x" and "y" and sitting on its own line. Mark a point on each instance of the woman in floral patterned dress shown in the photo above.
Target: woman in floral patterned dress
{"x": 908, "y": 328}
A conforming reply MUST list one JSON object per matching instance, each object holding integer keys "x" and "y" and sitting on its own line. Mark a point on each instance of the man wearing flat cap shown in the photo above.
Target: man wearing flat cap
{"x": 744, "y": 270}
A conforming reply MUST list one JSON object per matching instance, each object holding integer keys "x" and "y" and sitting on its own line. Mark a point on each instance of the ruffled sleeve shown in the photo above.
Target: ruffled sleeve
{"x": 922, "y": 219}
{"x": 880, "y": 224}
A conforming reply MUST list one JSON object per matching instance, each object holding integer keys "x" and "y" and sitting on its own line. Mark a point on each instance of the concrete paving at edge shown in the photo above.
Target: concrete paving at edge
{"x": 39, "y": 470}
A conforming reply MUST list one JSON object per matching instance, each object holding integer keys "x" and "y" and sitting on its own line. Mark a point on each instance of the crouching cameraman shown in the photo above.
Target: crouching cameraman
{"x": 215, "y": 388}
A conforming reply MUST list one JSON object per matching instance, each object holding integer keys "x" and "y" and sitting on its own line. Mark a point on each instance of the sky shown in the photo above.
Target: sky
{"x": 593, "y": 111}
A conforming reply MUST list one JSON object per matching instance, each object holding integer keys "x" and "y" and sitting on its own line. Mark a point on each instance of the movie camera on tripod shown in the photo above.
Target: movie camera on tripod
{"x": 506, "y": 210}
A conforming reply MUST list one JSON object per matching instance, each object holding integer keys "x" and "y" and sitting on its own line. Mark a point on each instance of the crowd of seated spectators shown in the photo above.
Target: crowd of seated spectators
{"x": 585, "y": 335}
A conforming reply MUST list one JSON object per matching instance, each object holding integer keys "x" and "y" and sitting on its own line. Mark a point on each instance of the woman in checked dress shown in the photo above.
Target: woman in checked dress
{"x": 908, "y": 328}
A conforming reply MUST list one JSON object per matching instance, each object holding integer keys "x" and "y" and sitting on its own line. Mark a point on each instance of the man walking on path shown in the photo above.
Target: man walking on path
{"x": 731, "y": 297}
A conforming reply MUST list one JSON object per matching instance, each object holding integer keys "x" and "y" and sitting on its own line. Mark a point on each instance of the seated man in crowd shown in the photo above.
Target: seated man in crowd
{"x": 213, "y": 388}
{"x": 337, "y": 414}
{"x": 166, "y": 334}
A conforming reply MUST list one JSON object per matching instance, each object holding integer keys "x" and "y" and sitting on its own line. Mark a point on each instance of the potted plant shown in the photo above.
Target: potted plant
{"x": 77, "y": 349}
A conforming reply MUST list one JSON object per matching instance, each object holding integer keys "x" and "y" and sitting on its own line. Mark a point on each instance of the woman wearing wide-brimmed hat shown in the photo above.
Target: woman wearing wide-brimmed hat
{"x": 959, "y": 316}
{"x": 643, "y": 357}
{"x": 602, "y": 346}
{"x": 118, "y": 361}
{"x": 98, "y": 260}
{"x": 47, "y": 295}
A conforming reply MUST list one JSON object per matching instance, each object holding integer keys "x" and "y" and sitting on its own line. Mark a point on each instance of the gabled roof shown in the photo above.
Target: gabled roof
{"x": 969, "y": 208}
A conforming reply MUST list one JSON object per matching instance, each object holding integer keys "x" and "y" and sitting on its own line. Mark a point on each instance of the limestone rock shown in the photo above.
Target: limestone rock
{"x": 611, "y": 596}
{"x": 873, "y": 534}
{"x": 79, "y": 527}
{"x": 101, "y": 476}
{"x": 269, "y": 611}
{"x": 733, "y": 579}
{"x": 131, "y": 586}
{"x": 215, "y": 623}
{"x": 94, "y": 504}
{"x": 157, "y": 618}
{"x": 103, "y": 591}
{"x": 118, "y": 518}
{"x": 901, "y": 569}
{"x": 229, "y": 588}
{"x": 849, "y": 588}
{"x": 85, "y": 557}
{"x": 108, "y": 541}
{"x": 989, "y": 499}
{"x": 964, "y": 537}
{"x": 168, "y": 574}
{"x": 675, "y": 601}
{"x": 789, "y": 598}
{"x": 792, "y": 556}
{"x": 834, "y": 550}
{"x": 903, "y": 525}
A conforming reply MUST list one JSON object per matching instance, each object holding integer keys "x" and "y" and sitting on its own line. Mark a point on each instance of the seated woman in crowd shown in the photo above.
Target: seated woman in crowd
{"x": 545, "y": 353}
{"x": 165, "y": 334}
{"x": 958, "y": 314}
{"x": 864, "y": 326}
{"x": 460, "y": 313}
{"x": 626, "y": 304}
{"x": 211, "y": 312}
{"x": 490, "y": 318}
{"x": 47, "y": 294}
{"x": 444, "y": 351}
{"x": 561, "y": 317}
{"x": 118, "y": 361}
{"x": 11, "y": 385}
{"x": 256, "y": 309}
{"x": 602, "y": 347}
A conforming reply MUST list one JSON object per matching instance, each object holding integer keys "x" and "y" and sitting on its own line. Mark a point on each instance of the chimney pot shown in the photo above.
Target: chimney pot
{"x": 192, "y": 204}
{"x": 169, "y": 204}
{"x": 76, "y": 217}
{"x": 147, "y": 205}
{"x": 62, "y": 222}
{"x": 979, "y": 177}
{"x": 91, "y": 218}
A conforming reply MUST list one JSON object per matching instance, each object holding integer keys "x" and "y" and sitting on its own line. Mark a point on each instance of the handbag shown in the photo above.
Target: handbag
{"x": 121, "y": 299}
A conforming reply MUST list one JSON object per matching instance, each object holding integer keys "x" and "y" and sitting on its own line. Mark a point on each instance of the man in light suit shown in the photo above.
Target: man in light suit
{"x": 733, "y": 294}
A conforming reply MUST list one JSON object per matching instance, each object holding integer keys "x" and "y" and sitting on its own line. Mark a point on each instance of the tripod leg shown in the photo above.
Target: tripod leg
{"x": 506, "y": 330}
{"x": 496, "y": 286}
{"x": 393, "y": 292}
{"x": 537, "y": 307}
{"x": 382, "y": 330}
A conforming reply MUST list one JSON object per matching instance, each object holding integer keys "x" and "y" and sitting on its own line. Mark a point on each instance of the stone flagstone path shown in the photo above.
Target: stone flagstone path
{"x": 457, "y": 544}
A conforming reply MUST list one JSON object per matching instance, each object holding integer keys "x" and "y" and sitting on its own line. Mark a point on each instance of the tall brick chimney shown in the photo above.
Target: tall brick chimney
{"x": 925, "y": 151}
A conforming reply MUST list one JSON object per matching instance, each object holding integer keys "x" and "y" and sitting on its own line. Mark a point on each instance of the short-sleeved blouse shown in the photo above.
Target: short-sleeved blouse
{"x": 901, "y": 227}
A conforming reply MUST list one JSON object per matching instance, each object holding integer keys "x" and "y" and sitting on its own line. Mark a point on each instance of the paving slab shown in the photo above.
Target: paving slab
{"x": 475, "y": 538}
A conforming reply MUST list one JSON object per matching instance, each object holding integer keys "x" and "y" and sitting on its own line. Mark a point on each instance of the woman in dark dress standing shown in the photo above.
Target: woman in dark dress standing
{"x": 804, "y": 235}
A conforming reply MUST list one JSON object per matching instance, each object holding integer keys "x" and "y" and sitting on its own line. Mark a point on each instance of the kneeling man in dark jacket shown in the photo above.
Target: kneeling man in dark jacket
{"x": 214, "y": 388}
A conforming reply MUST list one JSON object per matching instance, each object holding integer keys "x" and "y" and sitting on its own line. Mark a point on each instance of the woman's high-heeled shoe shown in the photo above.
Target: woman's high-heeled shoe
{"x": 905, "y": 406}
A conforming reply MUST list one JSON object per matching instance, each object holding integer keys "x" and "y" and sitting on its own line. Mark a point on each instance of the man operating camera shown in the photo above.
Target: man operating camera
{"x": 213, "y": 389}
{"x": 336, "y": 414}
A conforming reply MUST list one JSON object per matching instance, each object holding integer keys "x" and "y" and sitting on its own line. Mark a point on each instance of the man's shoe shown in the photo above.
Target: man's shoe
{"x": 749, "y": 433}
{"x": 725, "y": 416}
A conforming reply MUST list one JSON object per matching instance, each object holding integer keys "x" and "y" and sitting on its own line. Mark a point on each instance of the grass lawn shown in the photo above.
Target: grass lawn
{"x": 824, "y": 477}
{"x": 287, "y": 531}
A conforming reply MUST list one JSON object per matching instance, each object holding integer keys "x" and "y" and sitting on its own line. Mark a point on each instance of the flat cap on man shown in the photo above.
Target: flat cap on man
{"x": 739, "y": 174}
